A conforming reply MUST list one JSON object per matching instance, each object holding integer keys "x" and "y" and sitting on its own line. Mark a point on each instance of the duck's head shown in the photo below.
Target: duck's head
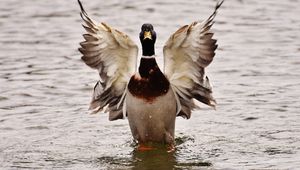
{"x": 148, "y": 38}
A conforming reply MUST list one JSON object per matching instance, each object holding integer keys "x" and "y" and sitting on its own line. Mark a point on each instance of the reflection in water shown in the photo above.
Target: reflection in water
{"x": 161, "y": 159}
{"x": 157, "y": 158}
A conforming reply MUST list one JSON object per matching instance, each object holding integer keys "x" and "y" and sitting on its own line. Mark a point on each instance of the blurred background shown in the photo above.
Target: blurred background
{"x": 45, "y": 88}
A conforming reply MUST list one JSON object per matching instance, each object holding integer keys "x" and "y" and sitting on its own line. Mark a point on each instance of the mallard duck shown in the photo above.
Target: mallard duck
{"x": 149, "y": 98}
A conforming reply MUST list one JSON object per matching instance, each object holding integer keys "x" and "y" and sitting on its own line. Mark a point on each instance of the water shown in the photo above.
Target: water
{"x": 45, "y": 88}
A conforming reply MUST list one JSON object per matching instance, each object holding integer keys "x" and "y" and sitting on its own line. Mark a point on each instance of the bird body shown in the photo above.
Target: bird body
{"x": 151, "y": 99}
{"x": 152, "y": 120}
{"x": 151, "y": 104}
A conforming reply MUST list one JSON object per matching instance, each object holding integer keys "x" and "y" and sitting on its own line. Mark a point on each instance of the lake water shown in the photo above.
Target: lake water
{"x": 45, "y": 88}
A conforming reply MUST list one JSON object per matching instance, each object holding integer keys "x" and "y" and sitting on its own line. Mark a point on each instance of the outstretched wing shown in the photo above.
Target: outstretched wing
{"x": 114, "y": 55}
{"x": 186, "y": 54}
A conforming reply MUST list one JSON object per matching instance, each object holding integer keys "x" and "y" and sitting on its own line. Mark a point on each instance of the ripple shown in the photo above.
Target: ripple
{"x": 250, "y": 118}
{"x": 51, "y": 15}
{"x": 37, "y": 128}
{"x": 276, "y": 151}
{"x": 194, "y": 164}
{"x": 115, "y": 161}
{"x": 183, "y": 139}
{"x": 2, "y": 98}
{"x": 6, "y": 128}
{"x": 129, "y": 7}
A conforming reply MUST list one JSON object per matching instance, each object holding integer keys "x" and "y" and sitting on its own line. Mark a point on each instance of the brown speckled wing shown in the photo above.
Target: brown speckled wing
{"x": 114, "y": 55}
{"x": 186, "y": 54}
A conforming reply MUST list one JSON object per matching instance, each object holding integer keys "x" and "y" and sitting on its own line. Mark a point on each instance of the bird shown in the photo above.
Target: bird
{"x": 148, "y": 97}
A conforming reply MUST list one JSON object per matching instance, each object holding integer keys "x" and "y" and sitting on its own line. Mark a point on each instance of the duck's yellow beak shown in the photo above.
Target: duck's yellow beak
{"x": 147, "y": 34}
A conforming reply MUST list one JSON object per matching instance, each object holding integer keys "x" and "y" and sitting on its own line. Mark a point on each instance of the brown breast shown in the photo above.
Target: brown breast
{"x": 151, "y": 84}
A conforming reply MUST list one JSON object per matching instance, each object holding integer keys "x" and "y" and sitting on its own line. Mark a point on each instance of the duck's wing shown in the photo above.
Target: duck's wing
{"x": 186, "y": 54}
{"x": 114, "y": 55}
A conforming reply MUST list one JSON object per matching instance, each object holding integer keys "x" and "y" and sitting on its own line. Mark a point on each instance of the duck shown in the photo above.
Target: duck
{"x": 150, "y": 98}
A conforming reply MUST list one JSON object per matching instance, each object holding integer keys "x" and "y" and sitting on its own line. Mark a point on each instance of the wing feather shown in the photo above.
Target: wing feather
{"x": 186, "y": 54}
{"x": 114, "y": 55}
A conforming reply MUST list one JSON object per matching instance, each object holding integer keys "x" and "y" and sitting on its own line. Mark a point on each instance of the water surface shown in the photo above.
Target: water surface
{"x": 45, "y": 88}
